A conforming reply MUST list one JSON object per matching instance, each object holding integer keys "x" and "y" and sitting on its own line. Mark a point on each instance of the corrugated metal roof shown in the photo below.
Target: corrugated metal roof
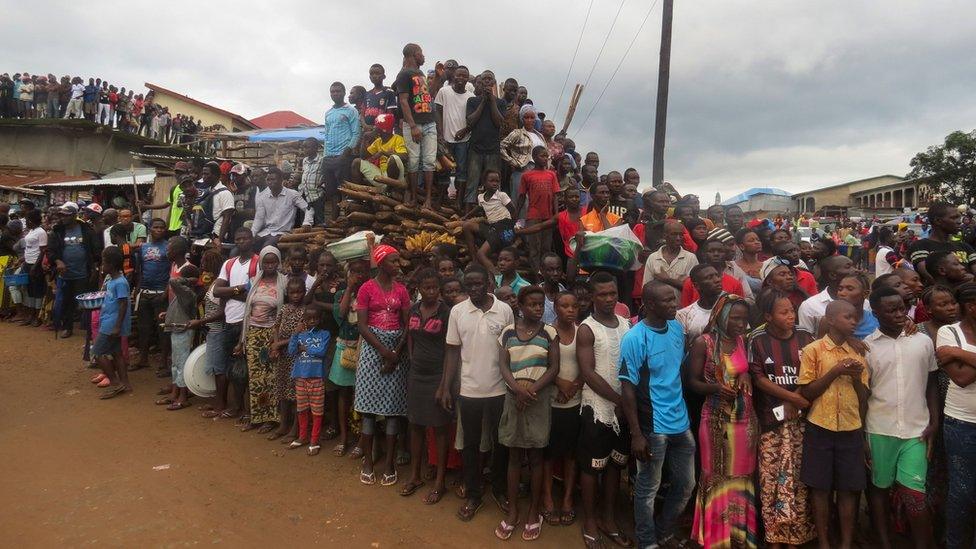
{"x": 120, "y": 179}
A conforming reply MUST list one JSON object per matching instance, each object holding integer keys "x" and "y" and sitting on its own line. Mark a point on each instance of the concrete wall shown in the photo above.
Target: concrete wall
{"x": 839, "y": 195}
{"x": 208, "y": 117}
{"x": 73, "y": 151}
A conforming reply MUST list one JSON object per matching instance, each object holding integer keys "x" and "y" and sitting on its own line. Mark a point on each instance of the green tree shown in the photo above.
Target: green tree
{"x": 950, "y": 166}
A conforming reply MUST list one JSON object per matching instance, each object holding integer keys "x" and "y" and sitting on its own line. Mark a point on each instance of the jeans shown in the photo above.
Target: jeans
{"x": 472, "y": 411}
{"x": 335, "y": 170}
{"x": 53, "y": 107}
{"x": 478, "y": 163}
{"x": 421, "y": 156}
{"x": 960, "y": 448}
{"x": 460, "y": 153}
{"x": 678, "y": 451}
{"x": 182, "y": 346}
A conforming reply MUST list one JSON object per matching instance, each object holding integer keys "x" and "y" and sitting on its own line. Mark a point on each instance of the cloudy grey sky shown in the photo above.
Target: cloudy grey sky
{"x": 785, "y": 93}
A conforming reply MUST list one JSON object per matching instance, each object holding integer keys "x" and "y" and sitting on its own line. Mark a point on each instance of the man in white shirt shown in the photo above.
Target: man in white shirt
{"x": 275, "y": 207}
{"x": 833, "y": 269}
{"x": 473, "y": 353}
{"x": 671, "y": 263}
{"x": 232, "y": 285}
{"x": 694, "y": 317}
{"x": 882, "y": 259}
{"x": 450, "y": 106}
{"x": 902, "y": 415}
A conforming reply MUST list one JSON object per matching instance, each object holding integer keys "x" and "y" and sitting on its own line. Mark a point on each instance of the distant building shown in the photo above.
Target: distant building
{"x": 207, "y": 115}
{"x": 282, "y": 119}
{"x": 766, "y": 200}
{"x": 879, "y": 195}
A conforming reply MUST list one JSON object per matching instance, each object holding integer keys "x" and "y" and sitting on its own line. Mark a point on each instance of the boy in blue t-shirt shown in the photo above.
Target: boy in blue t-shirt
{"x": 651, "y": 354}
{"x": 308, "y": 348}
{"x": 114, "y": 324}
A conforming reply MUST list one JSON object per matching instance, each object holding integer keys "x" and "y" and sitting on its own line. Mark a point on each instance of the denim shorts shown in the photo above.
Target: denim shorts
{"x": 422, "y": 156}
{"x": 107, "y": 346}
{"x": 216, "y": 353}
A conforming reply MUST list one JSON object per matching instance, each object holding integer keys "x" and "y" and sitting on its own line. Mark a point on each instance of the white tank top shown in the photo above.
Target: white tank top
{"x": 568, "y": 370}
{"x": 606, "y": 352}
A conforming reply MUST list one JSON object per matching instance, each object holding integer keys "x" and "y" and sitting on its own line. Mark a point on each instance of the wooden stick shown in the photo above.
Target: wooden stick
{"x": 135, "y": 189}
{"x": 574, "y": 100}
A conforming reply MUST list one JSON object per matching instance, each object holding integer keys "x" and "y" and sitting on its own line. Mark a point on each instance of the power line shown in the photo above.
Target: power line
{"x": 605, "y": 39}
{"x": 614, "y": 73}
{"x": 573, "y": 62}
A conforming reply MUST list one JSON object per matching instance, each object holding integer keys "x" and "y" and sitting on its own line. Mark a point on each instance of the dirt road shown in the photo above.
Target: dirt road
{"x": 83, "y": 472}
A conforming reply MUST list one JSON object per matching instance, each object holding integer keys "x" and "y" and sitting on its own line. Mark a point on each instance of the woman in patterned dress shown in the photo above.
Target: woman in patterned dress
{"x": 265, "y": 297}
{"x": 725, "y": 512}
{"x": 382, "y": 305}
{"x": 774, "y": 361}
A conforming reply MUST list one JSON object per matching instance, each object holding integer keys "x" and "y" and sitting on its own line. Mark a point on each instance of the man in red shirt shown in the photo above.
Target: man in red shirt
{"x": 714, "y": 255}
{"x": 541, "y": 187}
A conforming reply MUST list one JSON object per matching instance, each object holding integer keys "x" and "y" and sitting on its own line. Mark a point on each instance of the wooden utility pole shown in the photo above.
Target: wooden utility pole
{"x": 663, "y": 76}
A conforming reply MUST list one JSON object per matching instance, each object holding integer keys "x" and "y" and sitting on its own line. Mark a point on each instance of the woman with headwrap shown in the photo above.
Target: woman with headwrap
{"x": 265, "y": 297}
{"x": 777, "y": 273}
{"x": 725, "y": 512}
{"x": 516, "y": 147}
{"x": 382, "y": 306}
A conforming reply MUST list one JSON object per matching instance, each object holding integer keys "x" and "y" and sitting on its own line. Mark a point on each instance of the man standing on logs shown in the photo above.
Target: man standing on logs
{"x": 275, "y": 211}
{"x": 342, "y": 133}
{"x": 416, "y": 106}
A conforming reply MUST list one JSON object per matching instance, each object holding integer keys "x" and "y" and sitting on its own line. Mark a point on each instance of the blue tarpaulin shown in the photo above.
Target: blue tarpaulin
{"x": 287, "y": 134}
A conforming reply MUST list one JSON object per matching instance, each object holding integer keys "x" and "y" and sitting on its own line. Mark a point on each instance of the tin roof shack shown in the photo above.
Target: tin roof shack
{"x": 117, "y": 189}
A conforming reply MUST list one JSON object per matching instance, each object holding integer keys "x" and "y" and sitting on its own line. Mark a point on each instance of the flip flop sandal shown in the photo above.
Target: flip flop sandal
{"x": 388, "y": 479}
{"x": 411, "y": 488}
{"x": 205, "y": 407}
{"x": 356, "y": 453}
{"x": 177, "y": 406}
{"x": 266, "y": 428}
{"x": 568, "y": 518}
{"x": 211, "y": 414}
{"x": 248, "y": 427}
{"x": 296, "y": 444}
{"x": 339, "y": 450}
{"x": 367, "y": 478}
{"x": 459, "y": 490}
{"x": 288, "y": 439}
{"x": 98, "y": 378}
{"x": 593, "y": 542}
{"x": 433, "y": 497}
{"x": 551, "y": 517}
{"x": 619, "y": 539}
{"x": 112, "y": 392}
{"x": 164, "y": 401}
{"x": 466, "y": 513}
{"x": 104, "y": 383}
{"x": 330, "y": 434}
{"x": 227, "y": 414}
{"x": 504, "y": 530}
{"x": 243, "y": 420}
{"x": 531, "y": 532}
{"x": 314, "y": 450}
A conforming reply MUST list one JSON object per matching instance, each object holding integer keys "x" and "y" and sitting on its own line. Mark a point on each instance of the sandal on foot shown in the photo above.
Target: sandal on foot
{"x": 266, "y": 428}
{"x": 433, "y": 497}
{"x": 531, "y": 532}
{"x": 339, "y": 450}
{"x": 356, "y": 453}
{"x": 113, "y": 392}
{"x": 551, "y": 516}
{"x": 467, "y": 511}
{"x": 212, "y": 414}
{"x": 313, "y": 450}
{"x": 330, "y": 434}
{"x": 367, "y": 478}
{"x": 275, "y": 435}
{"x": 504, "y": 530}
{"x": 248, "y": 427}
{"x": 619, "y": 539}
{"x": 411, "y": 487}
{"x": 98, "y": 378}
{"x": 177, "y": 406}
{"x": 164, "y": 401}
{"x": 593, "y": 542}
{"x": 568, "y": 518}
{"x": 105, "y": 382}
{"x": 389, "y": 479}
{"x": 296, "y": 444}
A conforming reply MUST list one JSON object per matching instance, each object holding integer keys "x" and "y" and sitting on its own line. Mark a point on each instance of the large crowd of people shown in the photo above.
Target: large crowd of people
{"x": 744, "y": 377}
{"x": 30, "y": 96}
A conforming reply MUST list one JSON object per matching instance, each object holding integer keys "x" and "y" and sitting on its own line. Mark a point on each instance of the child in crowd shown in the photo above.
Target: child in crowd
{"x": 855, "y": 289}
{"x": 328, "y": 277}
{"x": 498, "y": 229}
{"x": 213, "y": 319}
{"x": 565, "y": 425}
{"x": 446, "y": 268}
{"x": 288, "y": 323}
{"x": 297, "y": 262}
{"x": 181, "y": 311}
{"x": 834, "y": 380}
{"x": 506, "y": 294}
{"x": 528, "y": 366}
{"x": 307, "y": 350}
{"x": 540, "y": 189}
{"x": 451, "y": 291}
{"x": 385, "y": 163}
{"x": 115, "y": 323}
{"x": 343, "y": 371}
{"x": 507, "y": 275}
{"x": 552, "y": 275}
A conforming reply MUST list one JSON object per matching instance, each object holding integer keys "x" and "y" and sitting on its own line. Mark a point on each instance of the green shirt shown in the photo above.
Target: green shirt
{"x": 175, "y": 212}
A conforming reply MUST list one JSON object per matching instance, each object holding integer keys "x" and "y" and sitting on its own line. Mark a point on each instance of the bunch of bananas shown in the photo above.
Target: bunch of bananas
{"x": 424, "y": 241}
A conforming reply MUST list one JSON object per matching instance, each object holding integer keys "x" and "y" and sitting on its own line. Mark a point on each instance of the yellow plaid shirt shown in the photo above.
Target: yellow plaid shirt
{"x": 837, "y": 408}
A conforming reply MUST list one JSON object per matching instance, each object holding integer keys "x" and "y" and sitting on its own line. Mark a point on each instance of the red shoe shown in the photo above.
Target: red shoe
{"x": 104, "y": 383}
